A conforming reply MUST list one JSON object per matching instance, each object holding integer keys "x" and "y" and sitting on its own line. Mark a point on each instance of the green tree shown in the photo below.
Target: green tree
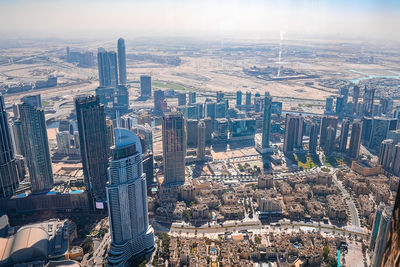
{"x": 325, "y": 252}
{"x": 143, "y": 264}
{"x": 186, "y": 215}
{"x": 87, "y": 245}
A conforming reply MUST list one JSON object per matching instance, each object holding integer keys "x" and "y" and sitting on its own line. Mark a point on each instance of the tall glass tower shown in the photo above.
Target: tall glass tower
{"x": 108, "y": 70}
{"x": 263, "y": 146}
{"x": 174, "y": 148}
{"x": 127, "y": 201}
{"x": 266, "y": 120}
{"x": 91, "y": 119}
{"x": 8, "y": 170}
{"x": 121, "y": 61}
{"x": 36, "y": 144}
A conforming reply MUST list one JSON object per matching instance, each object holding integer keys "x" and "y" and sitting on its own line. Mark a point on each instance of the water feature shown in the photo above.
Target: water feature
{"x": 370, "y": 76}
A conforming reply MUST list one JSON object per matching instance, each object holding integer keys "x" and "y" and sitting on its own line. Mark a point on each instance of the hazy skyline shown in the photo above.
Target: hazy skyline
{"x": 356, "y": 19}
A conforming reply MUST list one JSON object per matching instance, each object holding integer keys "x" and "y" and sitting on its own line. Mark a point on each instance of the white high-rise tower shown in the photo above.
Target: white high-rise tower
{"x": 127, "y": 201}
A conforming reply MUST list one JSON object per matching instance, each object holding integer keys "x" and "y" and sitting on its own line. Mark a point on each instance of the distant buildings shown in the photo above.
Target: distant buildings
{"x": 242, "y": 129}
{"x": 84, "y": 59}
{"x": 293, "y": 133}
{"x": 145, "y": 86}
{"x": 174, "y": 148}
{"x": 329, "y": 105}
{"x": 122, "y": 61}
{"x": 181, "y": 99}
{"x": 113, "y": 92}
{"x": 36, "y": 146}
{"x": 8, "y": 169}
{"x": 220, "y": 96}
{"x": 93, "y": 144}
{"x": 221, "y": 131}
{"x": 239, "y": 96}
{"x": 192, "y": 97}
{"x": 50, "y": 82}
{"x": 248, "y": 98}
{"x": 131, "y": 234}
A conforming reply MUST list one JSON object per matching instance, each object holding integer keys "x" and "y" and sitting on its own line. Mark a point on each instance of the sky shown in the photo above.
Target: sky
{"x": 341, "y": 19}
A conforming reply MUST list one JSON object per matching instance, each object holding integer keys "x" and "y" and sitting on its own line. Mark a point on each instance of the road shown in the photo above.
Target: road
{"x": 255, "y": 225}
{"x": 354, "y": 216}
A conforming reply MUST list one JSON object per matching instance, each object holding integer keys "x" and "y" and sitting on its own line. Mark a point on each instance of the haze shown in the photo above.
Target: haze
{"x": 369, "y": 19}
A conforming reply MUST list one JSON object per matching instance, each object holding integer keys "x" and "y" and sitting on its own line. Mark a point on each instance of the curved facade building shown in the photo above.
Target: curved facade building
{"x": 131, "y": 233}
{"x": 8, "y": 170}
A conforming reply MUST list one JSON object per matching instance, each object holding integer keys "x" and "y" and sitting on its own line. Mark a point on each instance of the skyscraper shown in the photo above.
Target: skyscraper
{"x": 192, "y": 97}
{"x": 344, "y": 134}
{"x": 379, "y": 131}
{"x": 145, "y": 85}
{"x": 18, "y": 137}
{"x": 220, "y": 96}
{"x": 266, "y": 121}
{"x": 356, "y": 95}
{"x": 369, "y": 97}
{"x": 131, "y": 234}
{"x": 239, "y": 96}
{"x": 330, "y": 144}
{"x": 326, "y": 122}
{"x": 344, "y": 91}
{"x": 355, "y": 140}
{"x": 248, "y": 98}
{"x": 122, "y": 61}
{"x": 312, "y": 146}
{"x": 158, "y": 100}
{"x": 92, "y": 128}
{"x": 396, "y": 160}
{"x": 191, "y": 132}
{"x": 339, "y": 105}
{"x": 329, "y": 105}
{"x": 174, "y": 148}
{"x": 209, "y": 123}
{"x": 293, "y": 133}
{"x": 375, "y": 226}
{"x": 383, "y": 230}
{"x": 108, "y": 68}
{"x": 36, "y": 146}
{"x": 386, "y": 154}
{"x": 201, "y": 140}
{"x": 182, "y": 99}
{"x": 122, "y": 99}
{"x": 8, "y": 169}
